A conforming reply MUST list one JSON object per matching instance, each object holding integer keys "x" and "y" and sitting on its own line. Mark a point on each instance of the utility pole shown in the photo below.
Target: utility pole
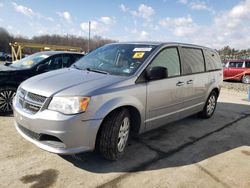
{"x": 89, "y": 36}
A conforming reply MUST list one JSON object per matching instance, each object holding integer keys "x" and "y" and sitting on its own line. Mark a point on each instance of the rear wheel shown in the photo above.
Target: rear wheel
{"x": 6, "y": 96}
{"x": 245, "y": 79}
{"x": 114, "y": 134}
{"x": 210, "y": 105}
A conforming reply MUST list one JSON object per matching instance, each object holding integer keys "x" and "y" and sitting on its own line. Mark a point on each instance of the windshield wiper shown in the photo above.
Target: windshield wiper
{"x": 96, "y": 70}
{"x": 90, "y": 69}
{"x": 76, "y": 67}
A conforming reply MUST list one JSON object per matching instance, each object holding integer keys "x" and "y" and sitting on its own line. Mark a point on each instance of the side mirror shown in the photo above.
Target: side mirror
{"x": 157, "y": 73}
{"x": 41, "y": 68}
{"x": 7, "y": 63}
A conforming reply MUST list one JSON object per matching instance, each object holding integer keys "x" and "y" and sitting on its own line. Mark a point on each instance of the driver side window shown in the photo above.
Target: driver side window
{"x": 168, "y": 58}
{"x": 54, "y": 63}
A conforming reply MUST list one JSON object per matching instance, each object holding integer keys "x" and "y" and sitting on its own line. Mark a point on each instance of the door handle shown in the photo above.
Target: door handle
{"x": 190, "y": 81}
{"x": 180, "y": 84}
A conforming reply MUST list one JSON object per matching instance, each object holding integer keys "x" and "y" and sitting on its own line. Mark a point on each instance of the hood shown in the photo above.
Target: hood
{"x": 57, "y": 82}
{"x": 6, "y": 71}
{"x": 7, "y": 68}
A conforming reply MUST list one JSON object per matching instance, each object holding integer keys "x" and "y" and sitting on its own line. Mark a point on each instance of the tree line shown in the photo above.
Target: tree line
{"x": 65, "y": 40}
{"x": 231, "y": 53}
{"x": 95, "y": 42}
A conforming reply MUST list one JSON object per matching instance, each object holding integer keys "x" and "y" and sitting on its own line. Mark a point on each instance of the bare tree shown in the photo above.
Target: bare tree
{"x": 64, "y": 40}
{"x": 5, "y": 38}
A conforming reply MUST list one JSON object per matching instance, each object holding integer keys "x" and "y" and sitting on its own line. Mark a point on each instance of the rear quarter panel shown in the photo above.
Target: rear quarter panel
{"x": 215, "y": 81}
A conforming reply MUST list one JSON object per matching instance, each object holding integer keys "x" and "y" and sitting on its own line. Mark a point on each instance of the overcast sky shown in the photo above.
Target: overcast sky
{"x": 213, "y": 23}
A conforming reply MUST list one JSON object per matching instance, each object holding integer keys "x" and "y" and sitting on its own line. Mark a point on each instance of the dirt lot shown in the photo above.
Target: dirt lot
{"x": 190, "y": 153}
{"x": 237, "y": 86}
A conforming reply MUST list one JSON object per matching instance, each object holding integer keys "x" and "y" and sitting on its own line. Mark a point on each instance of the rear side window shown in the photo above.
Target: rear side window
{"x": 168, "y": 58}
{"x": 54, "y": 63}
{"x": 213, "y": 61}
{"x": 247, "y": 64}
{"x": 193, "y": 61}
{"x": 235, "y": 64}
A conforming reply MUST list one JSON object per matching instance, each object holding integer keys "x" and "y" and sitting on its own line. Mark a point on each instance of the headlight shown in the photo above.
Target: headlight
{"x": 69, "y": 105}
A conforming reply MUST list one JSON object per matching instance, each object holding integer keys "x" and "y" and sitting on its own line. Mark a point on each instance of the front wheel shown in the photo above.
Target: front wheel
{"x": 210, "y": 105}
{"x": 245, "y": 79}
{"x": 6, "y": 96}
{"x": 114, "y": 134}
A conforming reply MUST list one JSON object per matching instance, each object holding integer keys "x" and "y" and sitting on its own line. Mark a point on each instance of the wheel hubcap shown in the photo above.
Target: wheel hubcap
{"x": 246, "y": 79}
{"x": 211, "y": 105}
{"x": 6, "y": 98}
{"x": 123, "y": 134}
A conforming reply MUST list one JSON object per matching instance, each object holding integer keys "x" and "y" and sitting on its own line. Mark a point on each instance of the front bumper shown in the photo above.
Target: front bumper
{"x": 56, "y": 132}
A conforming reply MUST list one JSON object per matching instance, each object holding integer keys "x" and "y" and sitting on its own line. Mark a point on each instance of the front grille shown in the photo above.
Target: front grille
{"x": 32, "y": 108}
{"x": 30, "y": 102}
{"x": 36, "y": 98}
{"x": 21, "y": 101}
{"x": 22, "y": 92}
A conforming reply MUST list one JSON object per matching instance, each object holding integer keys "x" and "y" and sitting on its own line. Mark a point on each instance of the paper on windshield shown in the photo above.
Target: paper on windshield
{"x": 30, "y": 62}
{"x": 138, "y": 55}
{"x": 142, "y": 49}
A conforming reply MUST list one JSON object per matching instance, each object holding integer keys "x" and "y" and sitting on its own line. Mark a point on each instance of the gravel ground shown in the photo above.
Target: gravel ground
{"x": 189, "y": 153}
{"x": 236, "y": 86}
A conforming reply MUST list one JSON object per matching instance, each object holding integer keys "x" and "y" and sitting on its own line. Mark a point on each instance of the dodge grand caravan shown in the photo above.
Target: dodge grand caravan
{"x": 116, "y": 91}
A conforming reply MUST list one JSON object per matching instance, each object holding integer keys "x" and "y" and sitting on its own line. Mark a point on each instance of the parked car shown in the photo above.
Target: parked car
{"x": 2, "y": 56}
{"x": 5, "y": 56}
{"x": 8, "y": 58}
{"x": 114, "y": 92}
{"x": 238, "y": 70}
{"x": 11, "y": 75}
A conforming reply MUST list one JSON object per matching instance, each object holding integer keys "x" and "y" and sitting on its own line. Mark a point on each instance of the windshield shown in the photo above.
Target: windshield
{"x": 116, "y": 59}
{"x": 29, "y": 61}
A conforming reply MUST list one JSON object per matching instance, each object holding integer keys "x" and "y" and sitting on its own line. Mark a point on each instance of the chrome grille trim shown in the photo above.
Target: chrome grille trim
{"x": 30, "y": 102}
{"x": 21, "y": 93}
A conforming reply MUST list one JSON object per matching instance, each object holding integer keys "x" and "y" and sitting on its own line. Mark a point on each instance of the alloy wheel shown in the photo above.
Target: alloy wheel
{"x": 211, "y": 105}
{"x": 123, "y": 134}
{"x": 6, "y": 97}
{"x": 246, "y": 79}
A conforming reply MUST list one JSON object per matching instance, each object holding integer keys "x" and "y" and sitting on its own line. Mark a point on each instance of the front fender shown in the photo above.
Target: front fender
{"x": 117, "y": 102}
{"x": 8, "y": 82}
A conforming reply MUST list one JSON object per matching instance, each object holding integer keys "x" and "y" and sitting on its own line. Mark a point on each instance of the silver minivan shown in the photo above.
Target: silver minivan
{"x": 117, "y": 91}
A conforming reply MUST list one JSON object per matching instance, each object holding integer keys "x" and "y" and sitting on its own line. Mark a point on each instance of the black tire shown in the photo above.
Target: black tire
{"x": 246, "y": 79}
{"x": 7, "y": 94}
{"x": 209, "y": 109}
{"x": 110, "y": 132}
